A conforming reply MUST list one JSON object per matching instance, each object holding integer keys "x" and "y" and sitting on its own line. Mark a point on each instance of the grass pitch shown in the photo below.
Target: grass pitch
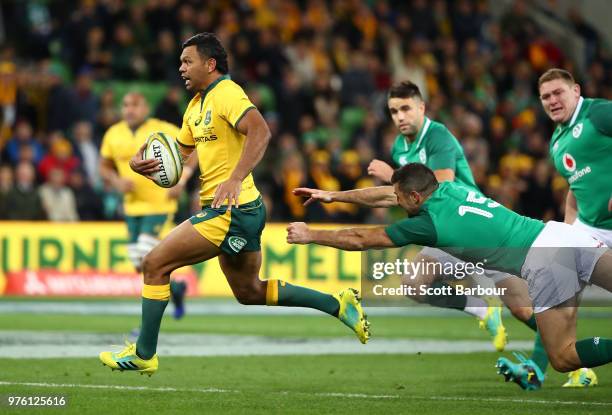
{"x": 422, "y": 383}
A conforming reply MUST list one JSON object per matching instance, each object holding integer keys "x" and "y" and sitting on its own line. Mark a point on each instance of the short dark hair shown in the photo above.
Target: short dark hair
{"x": 404, "y": 89}
{"x": 556, "y": 73}
{"x": 209, "y": 46}
{"x": 415, "y": 177}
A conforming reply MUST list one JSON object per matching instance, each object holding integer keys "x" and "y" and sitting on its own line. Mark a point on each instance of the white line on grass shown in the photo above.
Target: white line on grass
{"x": 506, "y": 400}
{"x": 326, "y": 394}
{"x": 355, "y": 395}
{"x": 119, "y": 387}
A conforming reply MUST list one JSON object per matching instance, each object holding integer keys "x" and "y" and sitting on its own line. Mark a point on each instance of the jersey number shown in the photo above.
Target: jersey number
{"x": 479, "y": 200}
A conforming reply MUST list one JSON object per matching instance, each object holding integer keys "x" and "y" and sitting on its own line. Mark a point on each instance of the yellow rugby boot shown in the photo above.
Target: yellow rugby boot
{"x": 493, "y": 324}
{"x": 581, "y": 378}
{"x": 352, "y": 314}
{"x": 128, "y": 360}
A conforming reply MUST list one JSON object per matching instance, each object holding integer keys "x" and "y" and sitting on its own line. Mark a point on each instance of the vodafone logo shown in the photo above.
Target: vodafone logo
{"x": 568, "y": 162}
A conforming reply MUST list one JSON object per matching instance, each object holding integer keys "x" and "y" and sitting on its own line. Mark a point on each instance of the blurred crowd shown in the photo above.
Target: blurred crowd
{"x": 318, "y": 70}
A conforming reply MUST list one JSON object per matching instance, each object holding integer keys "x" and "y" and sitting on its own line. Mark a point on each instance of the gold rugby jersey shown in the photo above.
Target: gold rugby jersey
{"x": 209, "y": 125}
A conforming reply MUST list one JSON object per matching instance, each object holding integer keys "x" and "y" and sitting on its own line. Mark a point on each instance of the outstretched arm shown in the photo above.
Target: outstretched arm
{"x": 380, "y": 196}
{"x": 348, "y": 239}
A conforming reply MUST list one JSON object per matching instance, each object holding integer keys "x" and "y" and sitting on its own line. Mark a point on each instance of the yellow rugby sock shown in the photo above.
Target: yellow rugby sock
{"x": 282, "y": 293}
{"x": 154, "y": 302}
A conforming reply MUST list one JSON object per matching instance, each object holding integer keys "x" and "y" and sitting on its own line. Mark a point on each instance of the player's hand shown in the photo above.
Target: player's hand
{"x": 229, "y": 190}
{"x": 176, "y": 191}
{"x": 313, "y": 195}
{"x": 298, "y": 233}
{"x": 380, "y": 170}
{"x": 610, "y": 204}
{"x": 144, "y": 167}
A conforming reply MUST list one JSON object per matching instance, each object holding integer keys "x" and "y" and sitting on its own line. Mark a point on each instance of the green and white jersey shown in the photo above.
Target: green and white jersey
{"x": 471, "y": 227}
{"x": 581, "y": 150}
{"x": 436, "y": 148}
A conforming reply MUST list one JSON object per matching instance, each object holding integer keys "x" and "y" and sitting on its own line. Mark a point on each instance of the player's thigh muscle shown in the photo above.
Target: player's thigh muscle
{"x": 183, "y": 246}
{"x": 516, "y": 296}
{"x": 602, "y": 273}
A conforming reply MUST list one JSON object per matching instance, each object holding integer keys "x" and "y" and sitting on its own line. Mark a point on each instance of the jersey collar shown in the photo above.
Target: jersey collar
{"x": 576, "y": 112}
{"x": 210, "y": 87}
{"x": 421, "y": 134}
{"x": 423, "y": 131}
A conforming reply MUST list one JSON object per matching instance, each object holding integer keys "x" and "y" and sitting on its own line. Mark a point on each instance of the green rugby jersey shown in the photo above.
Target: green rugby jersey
{"x": 581, "y": 150}
{"x": 436, "y": 148}
{"x": 471, "y": 227}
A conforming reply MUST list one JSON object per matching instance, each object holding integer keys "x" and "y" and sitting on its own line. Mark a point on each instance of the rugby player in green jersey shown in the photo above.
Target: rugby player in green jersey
{"x": 555, "y": 259}
{"x": 426, "y": 141}
{"x": 423, "y": 140}
{"x": 581, "y": 150}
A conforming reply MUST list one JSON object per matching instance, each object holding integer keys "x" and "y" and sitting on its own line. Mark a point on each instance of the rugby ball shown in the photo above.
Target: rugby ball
{"x": 162, "y": 147}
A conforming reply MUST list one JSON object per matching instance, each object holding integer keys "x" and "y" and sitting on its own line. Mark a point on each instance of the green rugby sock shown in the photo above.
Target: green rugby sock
{"x": 453, "y": 300}
{"x": 531, "y": 323}
{"x": 282, "y": 293}
{"x": 539, "y": 355}
{"x": 595, "y": 351}
{"x": 154, "y": 302}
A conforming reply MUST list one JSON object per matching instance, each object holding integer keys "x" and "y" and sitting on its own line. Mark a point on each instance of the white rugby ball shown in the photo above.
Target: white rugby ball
{"x": 162, "y": 147}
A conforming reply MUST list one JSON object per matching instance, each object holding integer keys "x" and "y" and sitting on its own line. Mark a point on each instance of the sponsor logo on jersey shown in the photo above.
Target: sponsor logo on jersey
{"x": 568, "y": 162}
{"x": 423, "y": 156}
{"x": 198, "y": 121}
{"x": 207, "y": 118}
{"x": 577, "y": 130}
{"x": 236, "y": 243}
{"x": 205, "y": 138}
{"x": 579, "y": 174}
{"x": 403, "y": 160}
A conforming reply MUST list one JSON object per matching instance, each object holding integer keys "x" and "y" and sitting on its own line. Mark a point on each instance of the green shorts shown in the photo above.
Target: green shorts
{"x": 238, "y": 230}
{"x": 149, "y": 224}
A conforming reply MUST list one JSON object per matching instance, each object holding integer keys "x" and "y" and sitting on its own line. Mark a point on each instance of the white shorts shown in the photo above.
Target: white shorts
{"x": 604, "y": 235}
{"x": 446, "y": 258}
{"x": 559, "y": 264}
